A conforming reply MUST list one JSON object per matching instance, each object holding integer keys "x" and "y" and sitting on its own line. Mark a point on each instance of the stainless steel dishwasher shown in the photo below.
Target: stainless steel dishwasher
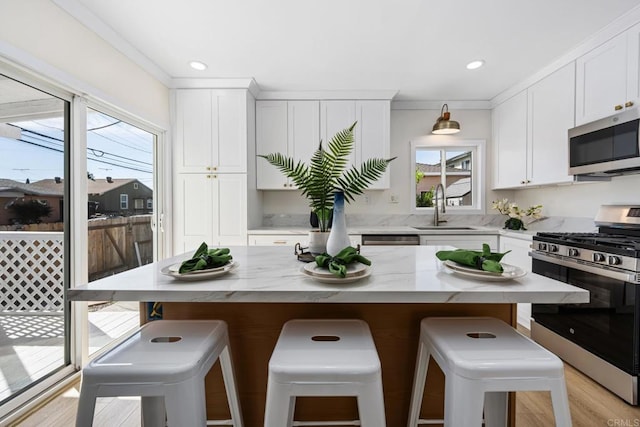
{"x": 390, "y": 239}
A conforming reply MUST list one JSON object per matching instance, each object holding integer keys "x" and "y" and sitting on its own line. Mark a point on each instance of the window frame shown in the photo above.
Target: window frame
{"x": 124, "y": 201}
{"x": 478, "y": 171}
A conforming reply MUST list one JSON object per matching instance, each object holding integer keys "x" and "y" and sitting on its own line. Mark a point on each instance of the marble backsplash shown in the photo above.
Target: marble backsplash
{"x": 564, "y": 224}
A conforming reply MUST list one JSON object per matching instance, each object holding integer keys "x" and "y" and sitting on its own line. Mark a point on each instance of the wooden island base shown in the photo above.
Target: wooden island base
{"x": 254, "y": 330}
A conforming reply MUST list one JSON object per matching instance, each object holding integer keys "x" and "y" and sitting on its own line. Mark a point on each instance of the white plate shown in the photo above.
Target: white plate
{"x": 510, "y": 272}
{"x": 332, "y": 278}
{"x": 353, "y": 269}
{"x": 172, "y": 270}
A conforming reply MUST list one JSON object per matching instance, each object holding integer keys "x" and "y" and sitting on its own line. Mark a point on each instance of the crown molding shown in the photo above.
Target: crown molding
{"x": 327, "y": 94}
{"x": 618, "y": 26}
{"x": 437, "y": 105}
{"x": 214, "y": 83}
{"x": 95, "y": 24}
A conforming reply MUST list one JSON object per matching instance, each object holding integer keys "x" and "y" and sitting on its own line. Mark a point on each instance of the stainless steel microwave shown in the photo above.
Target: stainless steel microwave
{"x": 606, "y": 147}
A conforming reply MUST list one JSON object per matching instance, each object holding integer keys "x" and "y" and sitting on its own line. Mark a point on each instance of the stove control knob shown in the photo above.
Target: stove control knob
{"x": 597, "y": 257}
{"x": 574, "y": 252}
{"x": 542, "y": 246}
{"x": 553, "y": 248}
{"x": 614, "y": 260}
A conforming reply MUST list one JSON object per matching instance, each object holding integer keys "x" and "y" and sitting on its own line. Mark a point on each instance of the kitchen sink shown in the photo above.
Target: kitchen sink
{"x": 442, "y": 227}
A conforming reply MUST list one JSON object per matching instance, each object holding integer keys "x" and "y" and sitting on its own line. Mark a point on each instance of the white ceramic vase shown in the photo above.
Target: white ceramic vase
{"x": 338, "y": 236}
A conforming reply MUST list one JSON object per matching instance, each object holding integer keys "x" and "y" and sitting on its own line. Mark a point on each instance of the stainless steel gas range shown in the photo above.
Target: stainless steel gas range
{"x": 602, "y": 337}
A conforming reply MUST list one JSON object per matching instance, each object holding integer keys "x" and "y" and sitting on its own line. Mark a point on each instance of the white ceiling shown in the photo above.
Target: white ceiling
{"x": 418, "y": 47}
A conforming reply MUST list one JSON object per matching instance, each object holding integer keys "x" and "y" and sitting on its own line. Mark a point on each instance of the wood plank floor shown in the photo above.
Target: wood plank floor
{"x": 591, "y": 406}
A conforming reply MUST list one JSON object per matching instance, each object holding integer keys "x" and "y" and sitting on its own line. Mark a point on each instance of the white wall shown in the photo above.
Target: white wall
{"x": 405, "y": 126}
{"x": 40, "y": 29}
{"x": 583, "y": 199}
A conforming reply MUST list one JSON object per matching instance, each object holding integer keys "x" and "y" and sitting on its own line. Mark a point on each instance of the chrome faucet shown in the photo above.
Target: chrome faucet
{"x": 436, "y": 218}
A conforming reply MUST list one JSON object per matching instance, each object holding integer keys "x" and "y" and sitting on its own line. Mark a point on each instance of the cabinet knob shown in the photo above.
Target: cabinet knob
{"x": 215, "y": 168}
{"x": 628, "y": 104}
{"x": 285, "y": 184}
{"x": 522, "y": 182}
{"x": 208, "y": 168}
{"x": 215, "y": 176}
{"x": 528, "y": 181}
{"x": 208, "y": 176}
{"x": 618, "y": 107}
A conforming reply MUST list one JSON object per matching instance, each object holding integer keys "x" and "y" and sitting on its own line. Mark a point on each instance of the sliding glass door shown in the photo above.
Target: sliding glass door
{"x": 34, "y": 236}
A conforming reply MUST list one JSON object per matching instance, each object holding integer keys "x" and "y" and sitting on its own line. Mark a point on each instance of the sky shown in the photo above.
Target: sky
{"x": 114, "y": 148}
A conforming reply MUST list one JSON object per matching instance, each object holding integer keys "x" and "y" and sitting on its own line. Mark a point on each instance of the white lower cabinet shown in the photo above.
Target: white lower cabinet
{"x": 519, "y": 256}
{"x": 210, "y": 208}
{"x": 473, "y": 242}
{"x": 291, "y": 239}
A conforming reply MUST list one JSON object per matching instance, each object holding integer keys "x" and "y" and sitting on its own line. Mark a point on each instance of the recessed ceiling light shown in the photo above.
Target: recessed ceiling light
{"x": 197, "y": 65}
{"x": 475, "y": 64}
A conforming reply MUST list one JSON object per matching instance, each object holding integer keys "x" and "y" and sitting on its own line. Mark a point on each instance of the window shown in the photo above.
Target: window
{"x": 124, "y": 201}
{"x": 135, "y": 185}
{"x": 456, "y": 164}
{"x": 138, "y": 204}
{"x": 150, "y": 204}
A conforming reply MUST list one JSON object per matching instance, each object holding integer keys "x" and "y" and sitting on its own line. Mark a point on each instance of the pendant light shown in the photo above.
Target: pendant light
{"x": 444, "y": 125}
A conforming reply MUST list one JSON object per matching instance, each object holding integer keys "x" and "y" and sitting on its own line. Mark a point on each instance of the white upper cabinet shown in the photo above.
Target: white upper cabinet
{"x": 510, "y": 142}
{"x": 607, "y": 77}
{"x": 291, "y": 128}
{"x": 551, "y": 110}
{"x": 530, "y": 133}
{"x": 372, "y": 133}
{"x": 211, "y": 131}
{"x": 295, "y": 128}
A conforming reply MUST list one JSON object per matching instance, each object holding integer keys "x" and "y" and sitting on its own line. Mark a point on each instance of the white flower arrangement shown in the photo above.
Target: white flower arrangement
{"x": 515, "y": 213}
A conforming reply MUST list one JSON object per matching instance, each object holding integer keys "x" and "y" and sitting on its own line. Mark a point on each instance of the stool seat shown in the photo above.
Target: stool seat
{"x": 498, "y": 352}
{"x": 334, "y": 357}
{"x": 165, "y": 362}
{"x": 483, "y": 359}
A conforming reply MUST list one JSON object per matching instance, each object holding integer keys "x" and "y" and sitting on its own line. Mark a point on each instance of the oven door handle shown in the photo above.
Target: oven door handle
{"x": 624, "y": 276}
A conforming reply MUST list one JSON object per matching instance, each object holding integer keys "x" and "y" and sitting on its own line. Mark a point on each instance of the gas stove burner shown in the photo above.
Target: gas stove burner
{"x": 595, "y": 239}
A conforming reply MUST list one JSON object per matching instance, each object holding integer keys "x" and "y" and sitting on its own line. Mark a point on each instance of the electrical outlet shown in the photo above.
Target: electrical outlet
{"x": 393, "y": 199}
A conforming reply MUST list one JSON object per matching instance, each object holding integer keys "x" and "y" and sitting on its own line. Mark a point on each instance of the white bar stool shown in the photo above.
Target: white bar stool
{"x": 484, "y": 358}
{"x": 165, "y": 362}
{"x": 324, "y": 358}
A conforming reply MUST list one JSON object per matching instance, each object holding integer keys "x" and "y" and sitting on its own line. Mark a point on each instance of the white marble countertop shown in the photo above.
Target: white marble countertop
{"x": 384, "y": 229}
{"x": 404, "y": 274}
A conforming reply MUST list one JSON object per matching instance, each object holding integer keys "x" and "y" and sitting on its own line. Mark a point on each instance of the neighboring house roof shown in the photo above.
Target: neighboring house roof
{"x": 51, "y": 187}
{"x": 11, "y": 186}
{"x": 459, "y": 188}
{"x": 435, "y": 169}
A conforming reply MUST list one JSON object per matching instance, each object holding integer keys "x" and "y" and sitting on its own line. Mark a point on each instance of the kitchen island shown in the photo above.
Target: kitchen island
{"x": 268, "y": 288}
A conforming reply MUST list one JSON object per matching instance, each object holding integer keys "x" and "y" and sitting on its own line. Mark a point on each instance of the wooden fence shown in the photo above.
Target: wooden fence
{"x": 115, "y": 244}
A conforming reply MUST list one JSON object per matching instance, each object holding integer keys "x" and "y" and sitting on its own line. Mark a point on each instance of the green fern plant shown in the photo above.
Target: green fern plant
{"x": 327, "y": 172}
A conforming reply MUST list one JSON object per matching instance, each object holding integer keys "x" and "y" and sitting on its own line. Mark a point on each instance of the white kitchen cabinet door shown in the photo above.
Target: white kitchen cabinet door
{"x": 209, "y": 208}
{"x": 551, "y": 115}
{"x": 271, "y": 137}
{"x": 211, "y": 131}
{"x": 633, "y": 72}
{"x": 193, "y": 148}
{"x": 230, "y": 205}
{"x": 472, "y": 242}
{"x": 373, "y": 137}
{"x": 229, "y": 130}
{"x": 303, "y": 130}
{"x": 291, "y": 128}
{"x": 510, "y": 142}
{"x": 601, "y": 80}
{"x": 334, "y": 117}
{"x": 519, "y": 255}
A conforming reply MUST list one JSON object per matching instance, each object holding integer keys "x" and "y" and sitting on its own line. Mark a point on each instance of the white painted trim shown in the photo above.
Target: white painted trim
{"x": 618, "y": 26}
{"x": 437, "y": 105}
{"x": 214, "y": 83}
{"x": 328, "y": 94}
{"x": 95, "y": 24}
{"x": 479, "y": 174}
{"x": 61, "y": 80}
